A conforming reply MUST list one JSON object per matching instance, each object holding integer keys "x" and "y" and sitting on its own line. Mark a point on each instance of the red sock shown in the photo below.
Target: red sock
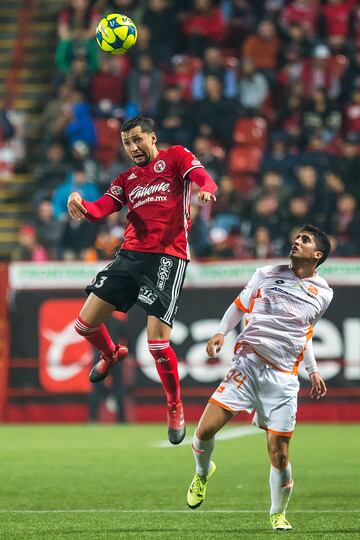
{"x": 167, "y": 368}
{"x": 99, "y": 337}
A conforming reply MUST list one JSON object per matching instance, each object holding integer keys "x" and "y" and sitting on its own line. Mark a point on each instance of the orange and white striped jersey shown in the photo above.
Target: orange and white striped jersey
{"x": 280, "y": 313}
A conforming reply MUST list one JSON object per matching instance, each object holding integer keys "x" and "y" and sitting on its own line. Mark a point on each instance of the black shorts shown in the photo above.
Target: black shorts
{"x": 151, "y": 280}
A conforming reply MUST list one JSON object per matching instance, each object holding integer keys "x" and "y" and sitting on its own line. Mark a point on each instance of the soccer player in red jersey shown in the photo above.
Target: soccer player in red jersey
{"x": 149, "y": 269}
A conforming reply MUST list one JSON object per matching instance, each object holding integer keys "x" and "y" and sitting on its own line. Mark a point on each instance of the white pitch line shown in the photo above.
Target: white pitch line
{"x": 144, "y": 511}
{"x": 232, "y": 433}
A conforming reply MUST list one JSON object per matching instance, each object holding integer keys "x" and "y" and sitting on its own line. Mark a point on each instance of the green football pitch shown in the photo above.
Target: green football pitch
{"x": 95, "y": 481}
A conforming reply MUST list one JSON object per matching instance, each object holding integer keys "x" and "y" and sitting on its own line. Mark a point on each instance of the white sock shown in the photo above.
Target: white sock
{"x": 202, "y": 451}
{"x": 281, "y": 486}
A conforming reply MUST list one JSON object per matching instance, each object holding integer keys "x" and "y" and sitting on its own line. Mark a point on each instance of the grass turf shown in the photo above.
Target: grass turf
{"x": 113, "y": 482}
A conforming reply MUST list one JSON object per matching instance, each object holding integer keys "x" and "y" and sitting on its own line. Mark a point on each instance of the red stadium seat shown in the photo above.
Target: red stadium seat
{"x": 250, "y": 131}
{"x": 244, "y": 159}
{"x": 108, "y": 140}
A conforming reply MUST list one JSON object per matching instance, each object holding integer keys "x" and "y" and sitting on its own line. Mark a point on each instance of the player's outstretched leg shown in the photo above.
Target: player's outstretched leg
{"x": 103, "y": 367}
{"x": 197, "y": 489}
{"x": 167, "y": 368}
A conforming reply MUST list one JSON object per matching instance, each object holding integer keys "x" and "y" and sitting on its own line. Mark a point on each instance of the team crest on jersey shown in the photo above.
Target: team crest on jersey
{"x": 159, "y": 166}
{"x": 116, "y": 190}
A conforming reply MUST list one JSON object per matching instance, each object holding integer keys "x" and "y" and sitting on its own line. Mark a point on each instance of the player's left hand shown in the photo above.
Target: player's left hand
{"x": 204, "y": 197}
{"x": 318, "y": 389}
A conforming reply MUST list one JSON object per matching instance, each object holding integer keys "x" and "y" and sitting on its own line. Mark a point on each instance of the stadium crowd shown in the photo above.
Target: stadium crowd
{"x": 265, "y": 93}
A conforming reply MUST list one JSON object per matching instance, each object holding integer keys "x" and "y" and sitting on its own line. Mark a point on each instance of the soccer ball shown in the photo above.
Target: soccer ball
{"x": 116, "y": 33}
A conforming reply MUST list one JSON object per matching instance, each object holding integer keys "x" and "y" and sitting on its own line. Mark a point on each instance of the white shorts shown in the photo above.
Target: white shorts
{"x": 253, "y": 385}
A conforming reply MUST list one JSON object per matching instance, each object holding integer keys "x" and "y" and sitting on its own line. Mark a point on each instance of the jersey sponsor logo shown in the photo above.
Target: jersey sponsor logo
{"x": 163, "y": 272}
{"x": 312, "y": 289}
{"x": 132, "y": 176}
{"x": 159, "y": 166}
{"x": 144, "y": 191}
{"x": 279, "y": 281}
{"x": 147, "y": 295}
{"x": 116, "y": 190}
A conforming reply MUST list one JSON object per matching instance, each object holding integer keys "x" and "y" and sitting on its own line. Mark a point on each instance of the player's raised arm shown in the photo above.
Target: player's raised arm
{"x": 93, "y": 211}
{"x": 206, "y": 184}
{"x": 75, "y": 206}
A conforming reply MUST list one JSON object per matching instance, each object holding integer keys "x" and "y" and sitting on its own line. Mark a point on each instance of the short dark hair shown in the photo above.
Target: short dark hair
{"x": 147, "y": 124}
{"x": 321, "y": 240}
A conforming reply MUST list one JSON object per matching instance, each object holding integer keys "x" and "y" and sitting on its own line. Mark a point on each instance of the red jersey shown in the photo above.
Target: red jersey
{"x": 158, "y": 199}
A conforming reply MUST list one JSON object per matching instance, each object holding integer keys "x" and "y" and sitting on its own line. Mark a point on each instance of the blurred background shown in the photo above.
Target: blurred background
{"x": 265, "y": 93}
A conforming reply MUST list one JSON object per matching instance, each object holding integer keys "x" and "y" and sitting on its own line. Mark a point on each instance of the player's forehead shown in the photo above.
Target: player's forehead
{"x": 305, "y": 236}
{"x": 134, "y": 133}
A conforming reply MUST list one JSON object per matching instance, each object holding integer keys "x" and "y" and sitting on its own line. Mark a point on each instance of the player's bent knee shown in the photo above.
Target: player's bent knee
{"x": 279, "y": 459}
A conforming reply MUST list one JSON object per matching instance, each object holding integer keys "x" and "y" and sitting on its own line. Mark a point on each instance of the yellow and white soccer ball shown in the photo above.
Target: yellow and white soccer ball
{"x": 116, "y": 33}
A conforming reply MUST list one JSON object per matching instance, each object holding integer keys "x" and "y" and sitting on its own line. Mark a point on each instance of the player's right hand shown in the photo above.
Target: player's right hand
{"x": 75, "y": 206}
{"x": 214, "y": 344}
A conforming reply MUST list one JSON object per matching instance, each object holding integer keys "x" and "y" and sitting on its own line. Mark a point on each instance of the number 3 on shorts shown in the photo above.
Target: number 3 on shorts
{"x": 101, "y": 282}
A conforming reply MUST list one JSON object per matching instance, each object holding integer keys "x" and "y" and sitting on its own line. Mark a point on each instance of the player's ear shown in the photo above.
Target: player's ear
{"x": 154, "y": 137}
{"x": 318, "y": 255}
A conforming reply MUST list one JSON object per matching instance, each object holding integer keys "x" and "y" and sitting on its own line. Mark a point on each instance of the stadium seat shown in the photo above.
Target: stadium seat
{"x": 250, "y": 131}
{"x": 244, "y": 159}
{"x": 245, "y": 184}
{"x": 108, "y": 140}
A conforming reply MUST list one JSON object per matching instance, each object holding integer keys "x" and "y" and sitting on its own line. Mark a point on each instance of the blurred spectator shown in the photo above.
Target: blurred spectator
{"x": 160, "y": 17}
{"x": 240, "y": 20}
{"x": 227, "y": 213}
{"x": 180, "y": 73}
{"x": 253, "y": 87}
{"x": 173, "y": 117}
{"x": 52, "y": 171}
{"x": 322, "y": 72}
{"x": 262, "y": 246}
{"x": 77, "y": 239}
{"x": 203, "y": 149}
{"x": 348, "y": 166}
{"x": 202, "y": 26}
{"x": 263, "y": 48}
{"x": 79, "y": 76}
{"x": 297, "y": 214}
{"x": 272, "y": 183}
{"x": 351, "y": 76}
{"x": 303, "y": 12}
{"x": 107, "y": 88}
{"x": 199, "y": 234}
{"x": 336, "y": 14}
{"x": 144, "y": 86}
{"x": 53, "y": 120}
{"x": 12, "y": 144}
{"x": 80, "y": 155}
{"x": 309, "y": 186}
{"x": 265, "y": 212}
{"x": 296, "y": 39}
{"x": 76, "y": 182}
{"x": 29, "y": 247}
{"x": 352, "y": 114}
{"x": 76, "y": 30}
{"x": 321, "y": 116}
{"x": 335, "y": 186}
{"x": 48, "y": 228}
{"x": 79, "y": 125}
{"x": 214, "y": 65}
{"x": 104, "y": 247}
{"x": 278, "y": 158}
{"x": 346, "y": 225}
{"x": 143, "y": 44}
{"x": 215, "y": 115}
